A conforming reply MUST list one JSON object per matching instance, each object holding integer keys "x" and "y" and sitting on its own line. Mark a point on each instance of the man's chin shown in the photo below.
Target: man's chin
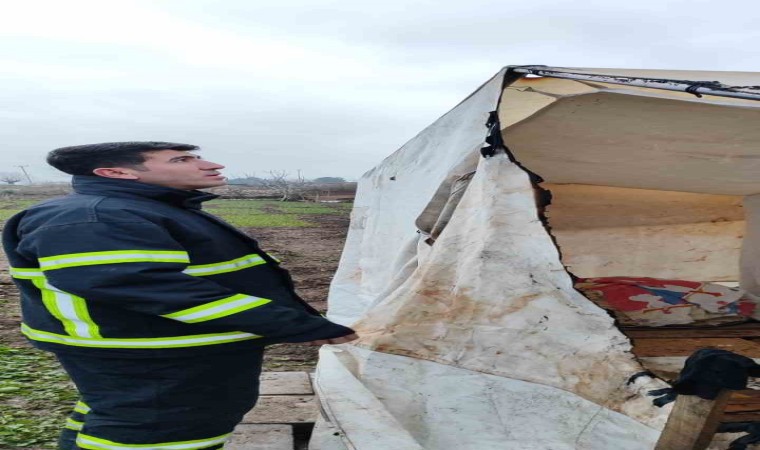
{"x": 206, "y": 184}
{"x": 215, "y": 183}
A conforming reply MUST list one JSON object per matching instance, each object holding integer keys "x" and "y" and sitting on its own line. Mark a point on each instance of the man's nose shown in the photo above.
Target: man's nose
{"x": 209, "y": 165}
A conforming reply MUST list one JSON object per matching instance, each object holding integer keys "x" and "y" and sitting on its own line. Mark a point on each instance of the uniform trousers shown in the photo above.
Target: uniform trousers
{"x": 186, "y": 403}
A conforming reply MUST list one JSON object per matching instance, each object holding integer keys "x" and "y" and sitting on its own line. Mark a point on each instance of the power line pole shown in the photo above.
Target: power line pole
{"x": 23, "y": 169}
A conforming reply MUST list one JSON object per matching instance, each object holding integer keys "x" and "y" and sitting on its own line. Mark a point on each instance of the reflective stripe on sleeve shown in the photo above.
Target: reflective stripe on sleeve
{"x": 91, "y": 442}
{"x": 220, "y": 308}
{"x": 196, "y": 340}
{"x": 81, "y": 407}
{"x": 225, "y": 266}
{"x": 112, "y": 257}
{"x": 26, "y": 274}
{"x": 75, "y": 425}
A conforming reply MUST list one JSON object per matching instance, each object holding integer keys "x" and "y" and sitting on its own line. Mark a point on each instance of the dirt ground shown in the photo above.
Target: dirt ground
{"x": 311, "y": 254}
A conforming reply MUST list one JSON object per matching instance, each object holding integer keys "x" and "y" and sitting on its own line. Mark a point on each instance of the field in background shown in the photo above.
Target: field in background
{"x": 9, "y": 206}
{"x": 239, "y": 212}
{"x": 269, "y": 213}
{"x": 35, "y": 395}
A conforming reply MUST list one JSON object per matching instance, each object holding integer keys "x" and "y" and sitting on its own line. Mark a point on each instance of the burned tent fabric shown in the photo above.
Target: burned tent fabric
{"x": 473, "y": 335}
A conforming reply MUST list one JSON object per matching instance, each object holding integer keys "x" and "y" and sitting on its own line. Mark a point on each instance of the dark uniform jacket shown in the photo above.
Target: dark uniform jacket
{"x": 137, "y": 270}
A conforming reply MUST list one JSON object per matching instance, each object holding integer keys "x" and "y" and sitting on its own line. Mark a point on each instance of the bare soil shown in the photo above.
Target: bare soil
{"x": 311, "y": 254}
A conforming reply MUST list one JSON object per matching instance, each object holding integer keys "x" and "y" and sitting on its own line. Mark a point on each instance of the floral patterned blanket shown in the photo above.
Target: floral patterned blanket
{"x": 658, "y": 302}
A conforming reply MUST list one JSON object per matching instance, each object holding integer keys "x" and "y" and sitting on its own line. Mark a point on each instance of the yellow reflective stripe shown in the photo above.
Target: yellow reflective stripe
{"x": 80, "y": 308}
{"x": 69, "y": 309}
{"x": 140, "y": 343}
{"x": 241, "y": 263}
{"x": 81, "y": 407}
{"x": 112, "y": 257}
{"x": 48, "y": 299}
{"x": 75, "y": 425}
{"x": 26, "y": 273}
{"x": 274, "y": 257}
{"x": 92, "y": 442}
{"x": 220, "y": 308}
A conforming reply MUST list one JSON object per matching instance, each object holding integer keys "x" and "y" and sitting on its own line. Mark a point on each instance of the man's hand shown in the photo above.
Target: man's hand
{"x": 338, "y": 340}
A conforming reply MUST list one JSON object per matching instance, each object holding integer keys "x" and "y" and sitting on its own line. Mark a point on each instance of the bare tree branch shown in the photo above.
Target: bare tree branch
{"x": 11, "y": 177}
{"x": 288, "y": 189}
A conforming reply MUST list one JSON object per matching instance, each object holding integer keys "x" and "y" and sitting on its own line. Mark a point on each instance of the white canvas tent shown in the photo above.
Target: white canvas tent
{"x": 472, "y": 335}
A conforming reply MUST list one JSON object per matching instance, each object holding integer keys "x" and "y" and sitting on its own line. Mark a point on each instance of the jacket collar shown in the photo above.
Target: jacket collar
{"x": 110, "y": 187}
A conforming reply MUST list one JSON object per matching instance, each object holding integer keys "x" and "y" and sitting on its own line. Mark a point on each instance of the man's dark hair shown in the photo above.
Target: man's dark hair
{"x": 83, "y": 159}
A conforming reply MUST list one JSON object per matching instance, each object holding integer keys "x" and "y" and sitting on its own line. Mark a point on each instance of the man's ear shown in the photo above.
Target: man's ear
{"x": 115, "y": 172}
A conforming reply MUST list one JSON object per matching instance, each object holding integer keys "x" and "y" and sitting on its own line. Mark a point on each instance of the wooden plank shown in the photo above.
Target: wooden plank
{"x": 742, "y": 408}
{"x": 745, "y": 396}
{"x": 285, "y": 383}
{"x": 692, "y": 423}
{"x": 738, "y": 326}
{"x": 670, "y": 333}
{"x": 685, "y": 346}
{"x": 283, "y": 409}
{"x": 741, "y": 417}
{"x": 249, "y": 436}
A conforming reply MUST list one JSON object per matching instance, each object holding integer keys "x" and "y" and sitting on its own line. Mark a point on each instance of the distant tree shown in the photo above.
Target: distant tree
{"x": 329, "y": 180}
{"x": 288, "y": 189}
{"x": 11, "y": 177}
{"x": 247, "y": 181}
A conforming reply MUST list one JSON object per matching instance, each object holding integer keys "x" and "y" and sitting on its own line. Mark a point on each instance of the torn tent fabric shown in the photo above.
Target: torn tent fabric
{"x": 472, "y": 333}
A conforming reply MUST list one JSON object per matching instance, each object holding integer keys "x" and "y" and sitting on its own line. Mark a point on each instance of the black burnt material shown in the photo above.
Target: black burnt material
{"x": 700, "y": 84}
{"x": 706, "y": 373}
{"x": 716, "y": 87}
{"x": 494, "y": 144}
{"x": 751, "y": 428}
{"x": 493, "y": 138}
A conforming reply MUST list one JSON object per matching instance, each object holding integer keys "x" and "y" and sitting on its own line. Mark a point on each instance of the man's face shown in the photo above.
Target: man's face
{"x": 178, "y": 169}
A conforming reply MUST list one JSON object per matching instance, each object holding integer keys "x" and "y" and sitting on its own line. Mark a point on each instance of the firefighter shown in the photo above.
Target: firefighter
{"x": 158, "y": 311}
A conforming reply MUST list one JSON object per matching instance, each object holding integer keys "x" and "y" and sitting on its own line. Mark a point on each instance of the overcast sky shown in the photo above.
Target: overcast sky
{"x": 328, "y": 87}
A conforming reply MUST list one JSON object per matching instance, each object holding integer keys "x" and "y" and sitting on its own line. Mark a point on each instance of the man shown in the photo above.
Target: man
{"x": 157, "y": 310}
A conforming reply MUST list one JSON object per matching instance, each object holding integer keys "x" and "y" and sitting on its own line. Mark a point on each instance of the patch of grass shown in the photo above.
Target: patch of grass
{"x": 301, "y": 208}
{"x": 239, "y": 212}
{"x": 269, "y": 213}
{"x": 262, "y": 220}
{"x": 9, "y": 207}
{"x": 35, "y": 398}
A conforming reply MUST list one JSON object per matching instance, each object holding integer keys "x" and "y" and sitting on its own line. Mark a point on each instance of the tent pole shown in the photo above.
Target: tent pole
{"x": 692, "y": 87}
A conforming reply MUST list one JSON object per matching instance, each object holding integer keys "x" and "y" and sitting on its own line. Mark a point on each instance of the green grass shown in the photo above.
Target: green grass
{"x": 239, "y": 212}
{"x": 300, "y": 208}
{"x": 35, "y": 398}
{"x": 269, "y": 213}
{"x": 9, "y": 207}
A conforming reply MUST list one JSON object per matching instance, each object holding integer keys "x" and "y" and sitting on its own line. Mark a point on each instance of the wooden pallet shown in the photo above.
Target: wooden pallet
{"x": 283, "y": 416}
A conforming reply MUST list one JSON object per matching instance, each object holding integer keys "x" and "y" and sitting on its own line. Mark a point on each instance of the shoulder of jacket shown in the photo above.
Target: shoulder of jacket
{"x": 83, "y": 209}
